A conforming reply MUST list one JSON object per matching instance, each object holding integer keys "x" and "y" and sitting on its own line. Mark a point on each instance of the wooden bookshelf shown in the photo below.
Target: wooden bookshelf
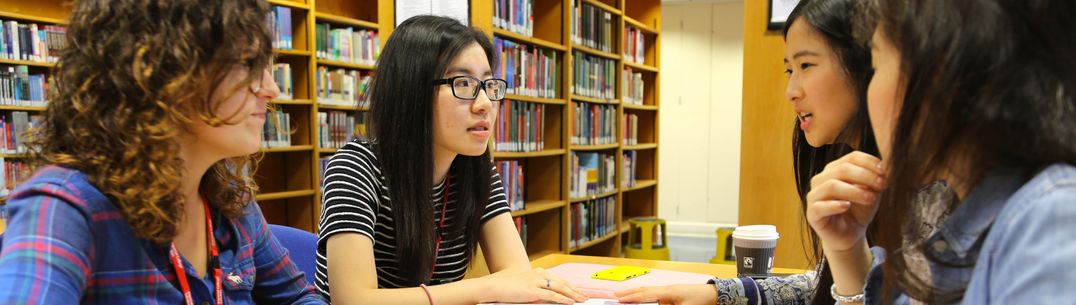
{"x": 552, "y": 23}
{"x": 289, "y": 177}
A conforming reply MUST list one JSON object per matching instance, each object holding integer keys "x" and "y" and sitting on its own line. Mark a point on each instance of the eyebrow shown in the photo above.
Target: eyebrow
{"x": 461, "y": 70}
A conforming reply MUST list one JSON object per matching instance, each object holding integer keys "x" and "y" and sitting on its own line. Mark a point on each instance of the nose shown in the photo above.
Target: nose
{"x": 794, "y": 92}
{"x": 481, "y": 103}
{"x": 270, "y": 89}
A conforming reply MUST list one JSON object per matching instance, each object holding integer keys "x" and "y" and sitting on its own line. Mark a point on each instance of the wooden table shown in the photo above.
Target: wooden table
{"x": 718, "y": 270}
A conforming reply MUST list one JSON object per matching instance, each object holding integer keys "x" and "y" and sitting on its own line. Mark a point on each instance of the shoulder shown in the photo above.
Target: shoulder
{"x": 1047, "y": 195}
{"x": 68, "y": 185}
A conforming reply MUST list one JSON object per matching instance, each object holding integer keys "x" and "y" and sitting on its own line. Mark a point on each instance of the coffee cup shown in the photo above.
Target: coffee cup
{"x": 755, "y": 245}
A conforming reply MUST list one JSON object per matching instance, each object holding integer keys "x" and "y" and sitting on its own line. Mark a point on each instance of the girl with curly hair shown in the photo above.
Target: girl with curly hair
{"x": 141, "y": 194}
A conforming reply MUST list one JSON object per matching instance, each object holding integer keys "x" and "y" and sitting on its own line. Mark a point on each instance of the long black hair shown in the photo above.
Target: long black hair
{"x": 402, "y": 97}
{"x": 984, "y": 84}
{"x": 834, "y": 20}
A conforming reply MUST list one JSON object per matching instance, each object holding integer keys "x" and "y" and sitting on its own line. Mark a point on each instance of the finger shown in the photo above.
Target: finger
{"x": 819, "y": 210}
{"x": 563, "y": 288}
{"x": 553, "y": 296}
{"x": 628, "y": 291}
{"x": 840, "y": 190}
{"x": 638, "y": 297}
{"x": 850, "y": 173}
{"x": 569, "y": 290}
{"x": 564, "y": 283}
{"x": 865, "y": 160}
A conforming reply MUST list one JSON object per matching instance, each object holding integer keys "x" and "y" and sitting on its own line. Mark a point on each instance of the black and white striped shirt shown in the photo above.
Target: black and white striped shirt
{"x": 356, "y": 201}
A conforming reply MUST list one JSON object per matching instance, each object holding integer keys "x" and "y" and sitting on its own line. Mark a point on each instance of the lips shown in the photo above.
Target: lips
{"x": 480, "y": 126}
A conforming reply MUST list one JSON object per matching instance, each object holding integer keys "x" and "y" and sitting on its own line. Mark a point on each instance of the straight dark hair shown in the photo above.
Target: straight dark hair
{"x": 402, "y": 98}
{"x": 985, "y": 84}
{"x": 834, "y": 20}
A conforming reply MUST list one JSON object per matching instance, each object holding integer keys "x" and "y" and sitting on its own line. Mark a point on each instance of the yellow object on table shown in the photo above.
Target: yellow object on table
{"x": 717, "y": 270}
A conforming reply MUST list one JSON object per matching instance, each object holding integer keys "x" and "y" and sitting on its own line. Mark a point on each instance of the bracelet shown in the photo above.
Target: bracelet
{"x": 844, "y": 299}
{"x": 427, "y": 290}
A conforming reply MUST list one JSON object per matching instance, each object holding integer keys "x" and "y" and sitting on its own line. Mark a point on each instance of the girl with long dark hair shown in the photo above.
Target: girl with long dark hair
{"x": 979, "y": 95}
{"x": 828, "y": 73}
{"x": 403, "y": 213}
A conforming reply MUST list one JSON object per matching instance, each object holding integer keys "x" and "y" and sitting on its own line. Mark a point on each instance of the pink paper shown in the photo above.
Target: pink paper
{"x": 579, "y": 275}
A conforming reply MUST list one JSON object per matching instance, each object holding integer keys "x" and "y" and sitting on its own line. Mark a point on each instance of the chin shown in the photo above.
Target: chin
{"x": 474, "y": 152}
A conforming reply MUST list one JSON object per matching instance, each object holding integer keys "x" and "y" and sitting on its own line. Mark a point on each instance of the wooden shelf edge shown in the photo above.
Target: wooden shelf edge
{"x": 603, "y": 6}
{"x": 542, "y": 153}
{"x": 639, "y": 107}
{"x": 287, "y": 149}
{"x": 531, "y": 99}
{"x": 585, "y": 49}
{"x": 341, "y": 107}
{"x": 291, "y": 4}
{"x": 327, "y": 150}
{"x": 595, "y": 241}
{"x": 594, "y": 100}
{"x": 14, "y": 156}
{"x": 639, "y": 25}
{"x": 22, "y": 108}
{"x": 641, "y": 184}
{"x": 345, "y": 20}
{"x": 641, "y": 67}
{"x": 594, "y": 147}
{"x": 27, "y": 63}
{"x": 643, "y": 146}
{"x": 292, "y": 102}
{"x": 283, "y": 195}
{"x": 534, "y": 207}
{"x": 529, "y": 40}
{"x": 596, "y": 196}
{"x": 340, "y": 64}
{"x": 292, "y": 52}
{"x": 24, "y": 17}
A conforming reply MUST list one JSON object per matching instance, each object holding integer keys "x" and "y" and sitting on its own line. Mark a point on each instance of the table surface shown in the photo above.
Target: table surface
{"x": 718, "y": 270}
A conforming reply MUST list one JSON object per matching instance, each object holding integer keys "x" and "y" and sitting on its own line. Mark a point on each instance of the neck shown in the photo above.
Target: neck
{"x": 442, "y": 160}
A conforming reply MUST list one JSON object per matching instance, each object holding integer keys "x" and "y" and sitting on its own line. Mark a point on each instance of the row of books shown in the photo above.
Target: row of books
{"x": 342, "y": 87}
{"x": 13, "y": 173}
{"x": 591, "y": 220}
{"x": 592, "y": 173}
{"x": 336, "y": 128}
{"x": 629, "y": 129}
{"x": 520, "y": 127}
{"x": 628, "y": 164}
{"x": 595, "y": 124}
{"x": 521, "y": 227}
{"x": 516, "y": 16}
{"x": 593, "y": 76}
{"x": 634, "y": 45}
{"x": 30, "y": 41}
{"x": 512, "y": 179}
{"x": 279, "y": 20}
{"x": 633, "y": 89}
{"x": 592, "y": 26}
{"x": 282, "y": 75}
{"x": 277, "y": 129}
{"x": 529, "y": 70}
{"x": 347, "y": 45}
{"x": 14, "y": 125}
{"x": 20, "y": 88}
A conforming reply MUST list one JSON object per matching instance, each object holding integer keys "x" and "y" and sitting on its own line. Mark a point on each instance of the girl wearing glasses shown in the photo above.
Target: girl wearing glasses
{"x": 402, "y": 214}
{"x": 141, "y": 194}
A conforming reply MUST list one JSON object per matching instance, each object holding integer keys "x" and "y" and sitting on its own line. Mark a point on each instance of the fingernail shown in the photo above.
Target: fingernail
{"x": 879, "y": 182}
{"x": 880, "y": 166}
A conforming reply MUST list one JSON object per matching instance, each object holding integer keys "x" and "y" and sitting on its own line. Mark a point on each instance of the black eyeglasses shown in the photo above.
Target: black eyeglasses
{"x": 466, "y": 87}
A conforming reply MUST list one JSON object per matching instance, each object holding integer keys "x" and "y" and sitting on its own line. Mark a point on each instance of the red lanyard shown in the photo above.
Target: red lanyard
{"x": 440, "y": 226}
{"x": 181, "y": 272}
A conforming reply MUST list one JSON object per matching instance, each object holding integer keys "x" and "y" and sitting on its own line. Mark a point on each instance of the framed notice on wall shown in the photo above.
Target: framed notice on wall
{"x": 779, "y": 11}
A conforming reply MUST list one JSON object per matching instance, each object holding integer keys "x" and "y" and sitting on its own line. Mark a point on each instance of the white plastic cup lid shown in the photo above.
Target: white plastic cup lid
{"x": 756, "y": 232}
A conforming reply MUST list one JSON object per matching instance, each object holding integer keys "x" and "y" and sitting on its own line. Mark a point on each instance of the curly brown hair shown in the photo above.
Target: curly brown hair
{"x": 136, "y": 74}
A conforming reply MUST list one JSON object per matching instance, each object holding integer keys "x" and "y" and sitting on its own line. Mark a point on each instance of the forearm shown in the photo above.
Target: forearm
{"x": 849, "y": 267}
{"x": 465, "y": 292}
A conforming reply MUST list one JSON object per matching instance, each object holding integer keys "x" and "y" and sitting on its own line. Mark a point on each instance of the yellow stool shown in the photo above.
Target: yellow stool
{"x": 724, "y": 254}
{"x": 641, "y": 239}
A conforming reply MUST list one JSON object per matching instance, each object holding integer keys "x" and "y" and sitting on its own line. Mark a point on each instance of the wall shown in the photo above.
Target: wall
{"x": 702, "y": 69}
